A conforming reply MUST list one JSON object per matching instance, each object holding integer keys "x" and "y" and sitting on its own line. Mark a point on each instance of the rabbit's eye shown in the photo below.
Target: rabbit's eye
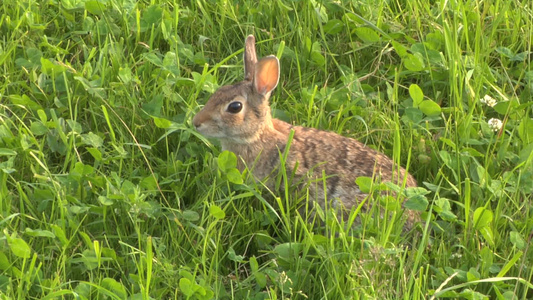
{"x": 234, "y": 107}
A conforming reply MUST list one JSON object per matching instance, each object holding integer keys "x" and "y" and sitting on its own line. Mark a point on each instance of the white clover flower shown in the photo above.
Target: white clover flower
{"x": 495, "y": 124}
{"x": 488, "y": 100}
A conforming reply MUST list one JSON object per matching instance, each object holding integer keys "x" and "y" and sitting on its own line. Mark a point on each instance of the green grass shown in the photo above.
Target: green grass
{"x": 107, "y": 192}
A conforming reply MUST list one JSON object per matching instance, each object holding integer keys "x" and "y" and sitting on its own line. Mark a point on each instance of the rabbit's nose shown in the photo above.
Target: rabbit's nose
{"x": 195, "y": 122}
{"x": 198, "y": 120}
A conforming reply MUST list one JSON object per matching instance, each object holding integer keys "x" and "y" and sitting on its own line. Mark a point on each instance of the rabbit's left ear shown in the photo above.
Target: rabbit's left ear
{"x": 266, "y": 75}
{"x": 250, "y": 58}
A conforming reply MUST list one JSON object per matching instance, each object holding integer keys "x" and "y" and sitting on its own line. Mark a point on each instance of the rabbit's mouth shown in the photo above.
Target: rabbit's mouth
{"x": 228, "y": 139}
{"x": 214, "y": 131}
{"x": 209, "y": 131}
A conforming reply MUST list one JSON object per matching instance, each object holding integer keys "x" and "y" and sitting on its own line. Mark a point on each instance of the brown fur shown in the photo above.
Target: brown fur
{"x": 258, "y": 139}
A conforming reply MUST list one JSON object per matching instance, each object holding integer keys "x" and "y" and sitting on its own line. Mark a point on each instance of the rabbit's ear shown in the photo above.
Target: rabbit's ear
{"x": 266, "y": 75}
{"x": 250, "y": 58}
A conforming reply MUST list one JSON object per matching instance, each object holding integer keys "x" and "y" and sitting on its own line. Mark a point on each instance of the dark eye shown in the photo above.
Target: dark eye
{"x": 234, "y": 107}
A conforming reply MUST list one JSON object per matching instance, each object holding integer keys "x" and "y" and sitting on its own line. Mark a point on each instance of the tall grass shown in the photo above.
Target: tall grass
{"x": 107, "y": 192}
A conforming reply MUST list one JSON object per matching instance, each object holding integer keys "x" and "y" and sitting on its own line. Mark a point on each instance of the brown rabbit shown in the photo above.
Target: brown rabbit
{"x": 239, "y": 115}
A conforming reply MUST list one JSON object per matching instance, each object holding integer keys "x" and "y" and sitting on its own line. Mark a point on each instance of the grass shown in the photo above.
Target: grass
{"x": 108, "y": 193}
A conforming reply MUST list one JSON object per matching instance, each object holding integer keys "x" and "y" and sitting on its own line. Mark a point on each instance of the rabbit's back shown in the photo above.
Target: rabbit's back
{"x": 342, "y": 159}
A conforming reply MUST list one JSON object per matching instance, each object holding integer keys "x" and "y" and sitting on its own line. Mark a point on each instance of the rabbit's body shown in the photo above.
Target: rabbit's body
{"x": 239, "y": 115}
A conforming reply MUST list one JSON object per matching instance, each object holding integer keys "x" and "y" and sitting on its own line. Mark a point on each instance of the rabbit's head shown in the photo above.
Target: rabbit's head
{"x": 240, "y": 112}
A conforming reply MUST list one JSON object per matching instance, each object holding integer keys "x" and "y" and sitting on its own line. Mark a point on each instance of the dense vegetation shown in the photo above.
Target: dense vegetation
{"x": 107, "y": 192}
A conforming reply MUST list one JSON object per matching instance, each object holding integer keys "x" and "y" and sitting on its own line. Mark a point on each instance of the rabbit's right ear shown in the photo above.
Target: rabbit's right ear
{"x": 266, "y": 75}
{"x": 250, "y": 58}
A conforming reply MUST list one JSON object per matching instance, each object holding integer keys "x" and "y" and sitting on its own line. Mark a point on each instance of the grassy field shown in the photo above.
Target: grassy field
{"x": 107, "y": 192}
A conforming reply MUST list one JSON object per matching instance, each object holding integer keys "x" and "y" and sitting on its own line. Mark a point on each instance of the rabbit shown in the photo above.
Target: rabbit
{"x": 239, "y": 116}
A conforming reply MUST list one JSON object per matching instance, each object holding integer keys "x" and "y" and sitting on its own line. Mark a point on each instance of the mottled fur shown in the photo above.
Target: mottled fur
{"x": 258, "y": 139}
